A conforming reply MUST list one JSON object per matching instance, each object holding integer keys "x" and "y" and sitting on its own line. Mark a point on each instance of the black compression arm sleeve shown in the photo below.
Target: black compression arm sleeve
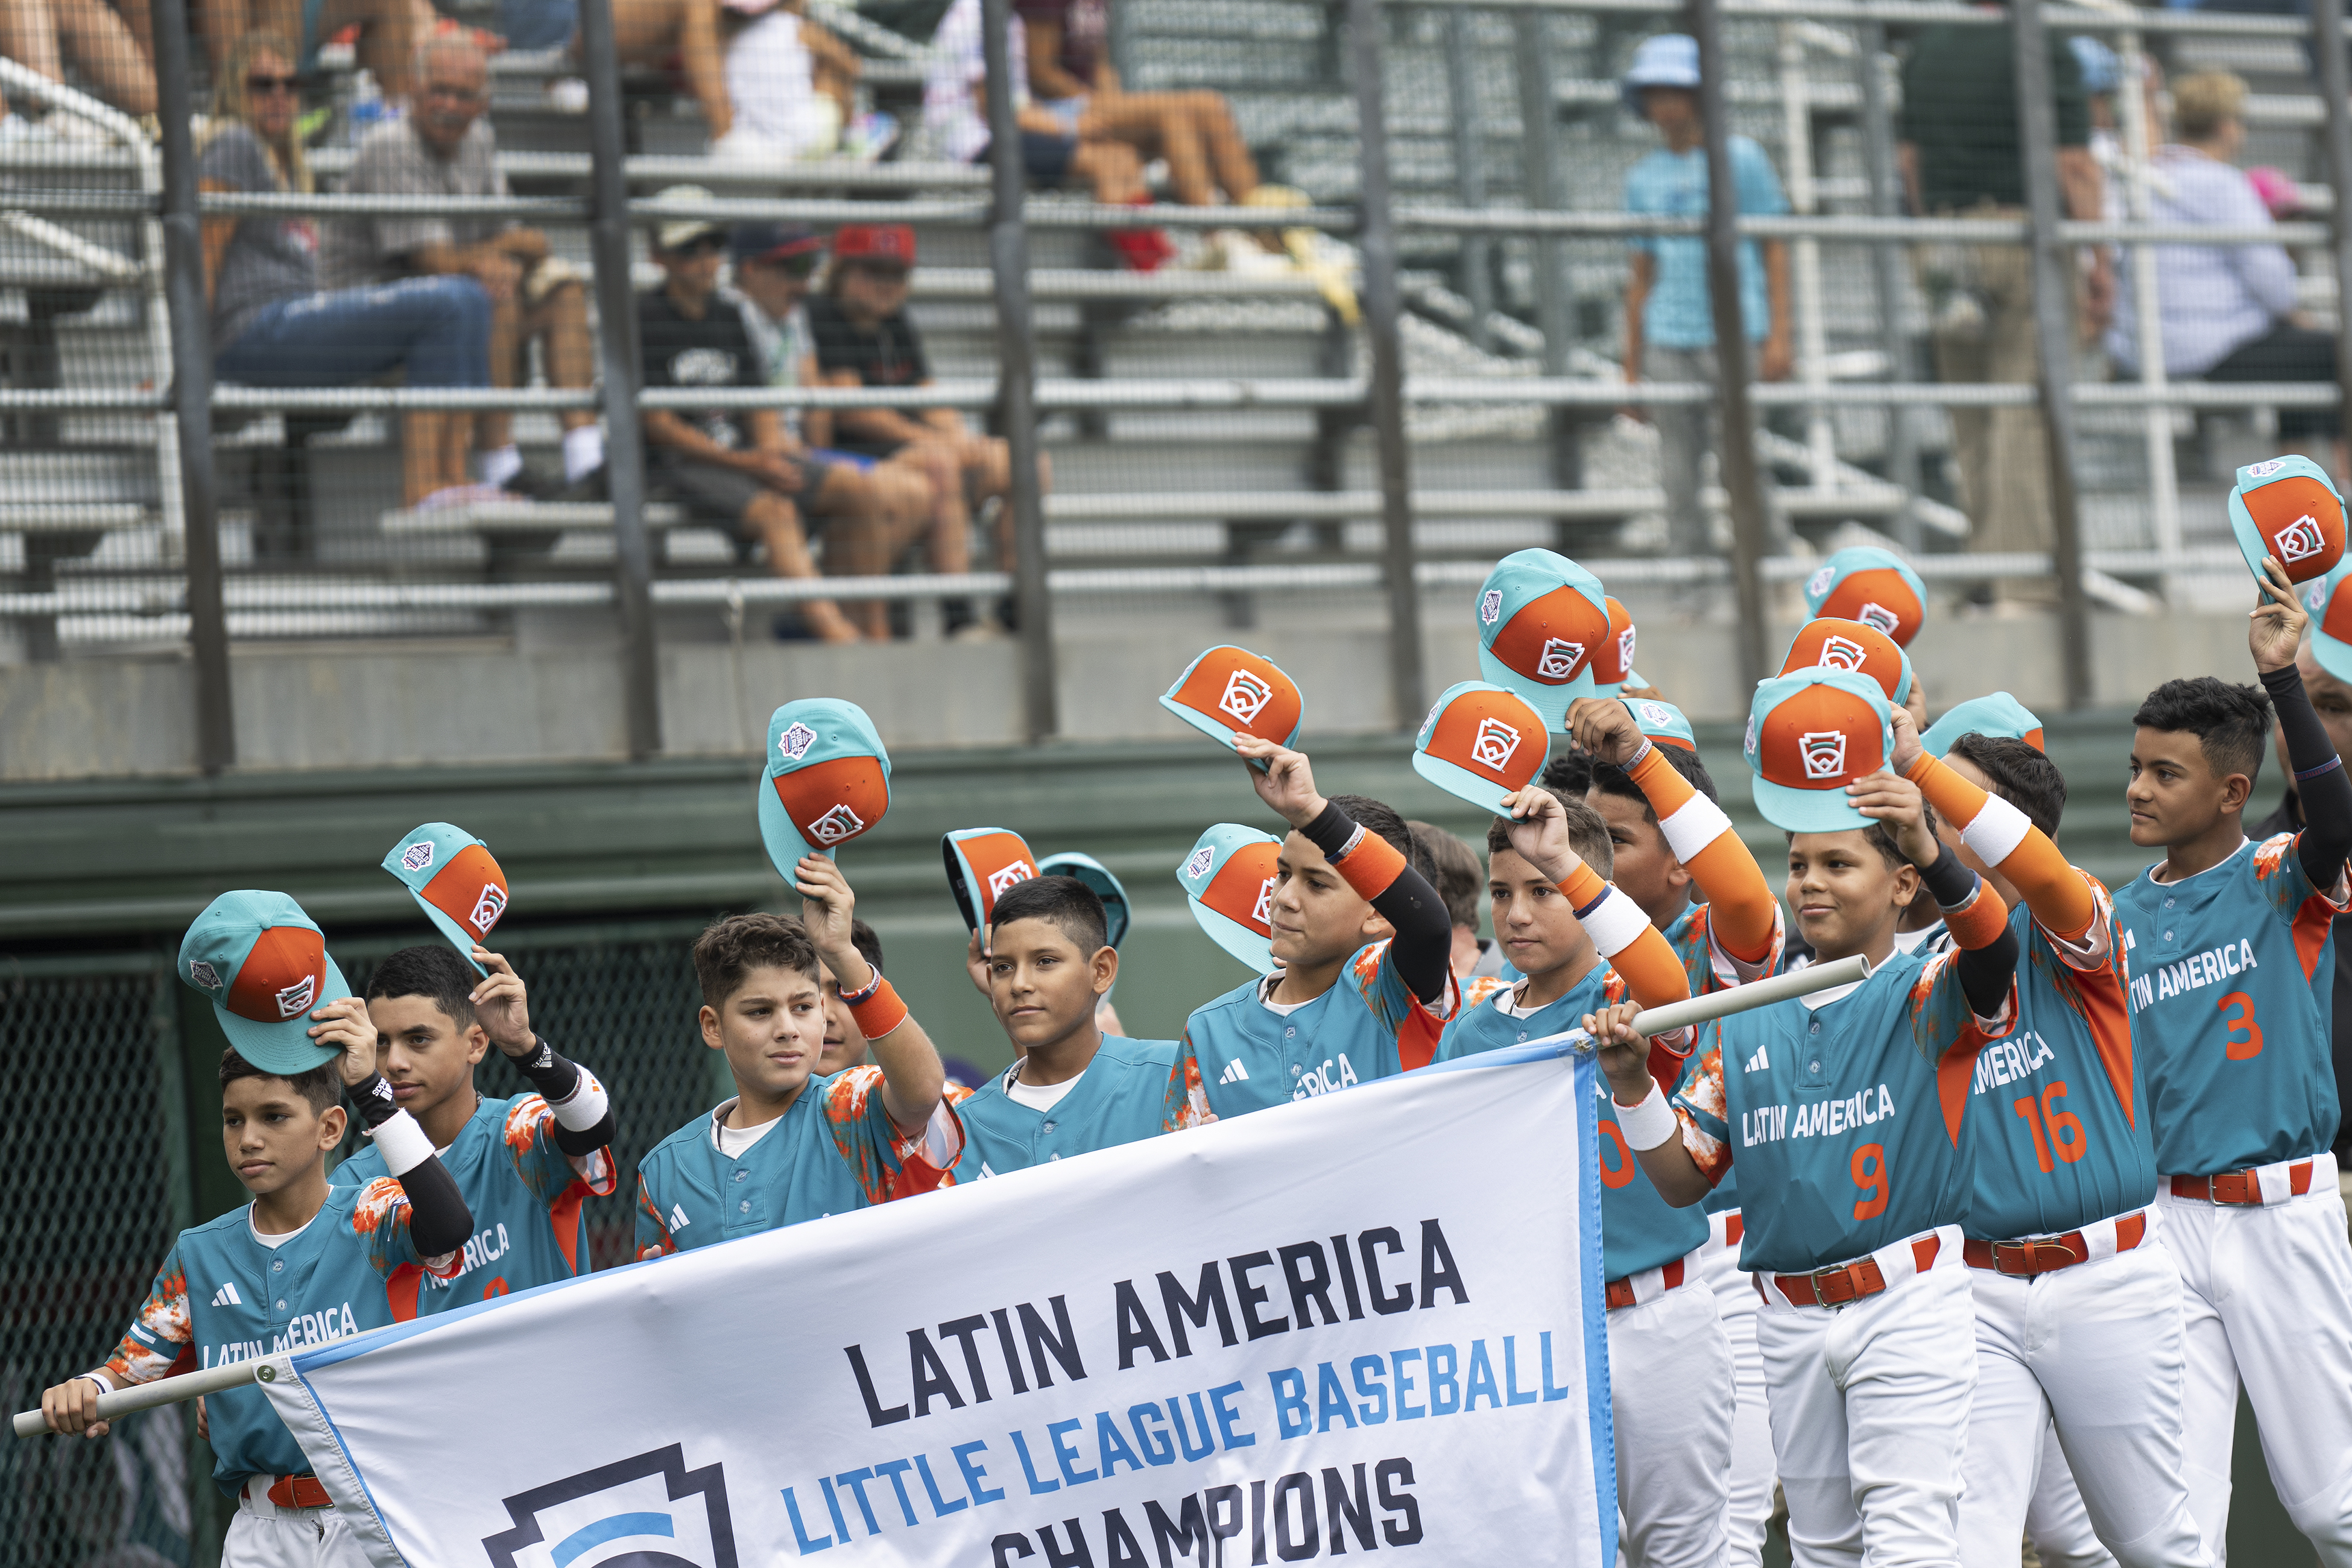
{"x": 1423, "y": 948}
{"x": 557, "y": 1080}
{"x": 1985, "y": 972}
{"x": 438, "y": 1220}
{"x": 2325, "y": 794}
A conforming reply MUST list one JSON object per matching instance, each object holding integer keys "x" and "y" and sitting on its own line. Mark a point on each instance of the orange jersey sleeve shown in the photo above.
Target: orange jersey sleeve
{"x": 1744, "y": 913}
{"x": 2002, "y": 838}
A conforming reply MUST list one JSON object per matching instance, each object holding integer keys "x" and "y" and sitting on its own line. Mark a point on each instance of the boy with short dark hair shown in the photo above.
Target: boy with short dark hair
{"x": 527, "y": 1164}
{"x": 794, "y": 1145}
{"x": 844, "y": 1045}
{"x": 2230, "y": 948}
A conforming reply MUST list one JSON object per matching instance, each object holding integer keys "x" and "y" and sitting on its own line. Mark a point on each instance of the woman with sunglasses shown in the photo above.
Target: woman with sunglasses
{"x": 274, "y": 326}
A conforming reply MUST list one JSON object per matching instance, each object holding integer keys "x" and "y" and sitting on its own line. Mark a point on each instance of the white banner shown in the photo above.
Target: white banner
{"x": 1366, "y": 1322}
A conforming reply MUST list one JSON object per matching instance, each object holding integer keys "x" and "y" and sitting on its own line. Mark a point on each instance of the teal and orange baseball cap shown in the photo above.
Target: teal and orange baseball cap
{"x": 2330, "y": 604}
{"x": 264, "y": 964}
{"x": 1229, "y": 692}
{"x": 453, "y": 879}
{"x": 1117, "y": 912}
{"x": 1612, "y": 661}
{"x": 1480, "y": 742}
{"x": 1662, "y": 722}
{"x": 1228, "y": 880}
{"x": 982, "y": 862}
{"x": 1810, "y": 734}
{"x": 2289, "y": 509}
{"x": 1541, "y": 619}
{"x": 2001, "y": 716}
{"x": 1872, "y": 585}
{"x": 825, "y": 781}
{"x": 1828, "y": 642}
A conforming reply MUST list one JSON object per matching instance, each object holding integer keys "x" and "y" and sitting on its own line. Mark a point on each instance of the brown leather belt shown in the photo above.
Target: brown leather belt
{"x": 2238, "y": 1188}
{"x": 299, "y": 1491}
{"x": 1620, "y": 1292}
{"x": 2050, "y": 1252}
{"x": 1849, "y": 1281}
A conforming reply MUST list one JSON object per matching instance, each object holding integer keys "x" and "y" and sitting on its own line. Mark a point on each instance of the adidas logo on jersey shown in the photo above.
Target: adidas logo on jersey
{"x": 1759, "y": 1062}
{"x": 677, "y": 1220}
{"x": 227, "y": 1296}
{"x": 1234, "y": 1073}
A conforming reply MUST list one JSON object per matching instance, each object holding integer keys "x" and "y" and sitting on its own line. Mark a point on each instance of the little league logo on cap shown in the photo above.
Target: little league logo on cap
{"x": 1662, "y": 722}
{"x": 1810, "y": 734}
{"x": 263, "y": 963}
{"x": 982, "y": 863}
{"x": 1097, "y": 876}
{"x": 1229, "y": 692}
{"x": 1228, "y": 879}
{"x": 2001, "y": 716}
{"x": 825, "y": 781}
{"x": 453, "y": 879}
{"x": 1612, "y": 661}
{"x": 1829, "y": 643}
{"x": 1480, "y": 742}
{"x": 1871, "y": 585}
{"x": 1550, "y": 618}
{"x": 2330, "y": 604}
{"x": 2288, "y": 509}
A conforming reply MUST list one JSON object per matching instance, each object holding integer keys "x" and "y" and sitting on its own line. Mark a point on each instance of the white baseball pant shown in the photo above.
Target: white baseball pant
{"x": 1750, "y": 1507}
{"x": 1870, "y": 1414}
{"x": 2055, "y": 1520}
{"x": 260, "y": 1534}
{"x": 1669, "y": 1368}
{"x": 2268, "y": 1298}
{"x": 2094, "y": 1349}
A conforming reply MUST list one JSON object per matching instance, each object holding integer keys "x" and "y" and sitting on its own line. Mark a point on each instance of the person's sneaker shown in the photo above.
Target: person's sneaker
{"x": 467, "y": 495}
{"x": 533, "y": 484}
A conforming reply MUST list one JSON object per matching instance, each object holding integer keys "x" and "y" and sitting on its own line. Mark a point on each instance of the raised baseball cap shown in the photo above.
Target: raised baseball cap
{"x": 1872, "y": 585}
{"x": 2330, "y": 604}
{"x": 1662, "y": 722}
{"x": 1612, "y": 661}
{"x": 2000, "y": 715}
{"x": 1810, "y": 734}
{"x": 1541, "y": 618}
{"x": 453, "y": 879}
{"x": 1228, "y": 880}
{"x": 1106, "y": 887}
{"x": 2288, "y": 507}
{"x": 263, "y": 963}
{"x": 825, "y": 781}
{"x": 1828, "y": 642}
{"x": 1229, "y": 692}
{"x": 982, "y": 862}
{"x": 1480, "y": 742}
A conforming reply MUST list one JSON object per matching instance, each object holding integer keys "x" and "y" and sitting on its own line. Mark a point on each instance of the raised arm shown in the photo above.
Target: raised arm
{"x": 2320, "y": 785}
{"x": 912, "y": 1078}
{"x": 1997, "y": 833}
{"x": 1973, "y": 911}
{"x": 418, "y": 1215}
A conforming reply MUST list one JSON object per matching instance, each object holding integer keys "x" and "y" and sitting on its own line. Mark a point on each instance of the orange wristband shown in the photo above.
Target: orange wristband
{"x": 879, "y": 1013}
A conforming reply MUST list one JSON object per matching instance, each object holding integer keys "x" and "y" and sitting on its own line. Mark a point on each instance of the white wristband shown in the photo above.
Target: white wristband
{"x": 1649, "y": 1125}
{"x": 1995, "y": 831}
{"x": 585, "y": 1108}
{"x": 104, "y": 1387}
{"x": 403, "y": 1142}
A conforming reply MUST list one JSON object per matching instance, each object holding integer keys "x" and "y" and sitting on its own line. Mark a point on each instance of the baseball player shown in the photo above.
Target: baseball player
{"x": 1669, "y": 835}
{"x": 1844, "y": 1106}
{"x": 1365, "y": 986}
{"x": 1582, "y": 943}
{"x": 791, "y": 1145}
{"x": 2228, "y": 947}
{"x": 2077, "y": 1302}
{"x": 303, "y": 1262}
{"x": 527, "y": 1164}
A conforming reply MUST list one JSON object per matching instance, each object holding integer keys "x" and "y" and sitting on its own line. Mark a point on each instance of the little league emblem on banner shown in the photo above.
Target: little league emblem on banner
{"x": 1330, "y": 1340}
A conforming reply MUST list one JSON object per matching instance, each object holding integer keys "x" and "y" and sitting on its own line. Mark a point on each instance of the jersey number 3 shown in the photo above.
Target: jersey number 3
{"x": 2242, "y": 1035}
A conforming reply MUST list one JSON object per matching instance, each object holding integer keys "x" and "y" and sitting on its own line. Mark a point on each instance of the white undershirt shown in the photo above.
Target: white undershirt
{"x": 1265, "y": 989}
{"x": 1038, "y": 1096}
{"x": 282, "y": 1238}
{"x": 736, "y": 1142}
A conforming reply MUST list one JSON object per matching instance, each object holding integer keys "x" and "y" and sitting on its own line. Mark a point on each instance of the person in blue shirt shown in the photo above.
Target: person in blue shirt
{"x": 2229, "y": 944}
{"x": 792, "y": 1144}
{"x": 1670, "y": 333}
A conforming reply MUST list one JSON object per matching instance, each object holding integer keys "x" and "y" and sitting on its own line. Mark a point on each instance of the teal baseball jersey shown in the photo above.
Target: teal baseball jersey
{"x": 2231, "y": 999}
{"x": 834, "y": 1150}
{"x": 1125, "y": 1095}
{"x": 1639, "y": 1229}
{"x": 1245, "y": 1056}
{"x": 2057, "y": 1117}
{"x": 1710, "y": 968}
{"x": 224, "y": 1296}
{"x": 1847, "y": 1116}
{"x": 526, "y": 1197}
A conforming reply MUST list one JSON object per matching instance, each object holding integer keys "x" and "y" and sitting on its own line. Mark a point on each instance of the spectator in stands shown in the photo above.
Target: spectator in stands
{"x": 733, "y": 462}
{"x": 644, "y": 33}
{"x": 1959, "y": 158}
{"x": 115, "y": 49}
{"x": 272, "y": 325}
{"x": 1071, "y": 75}
{"x": 1669, "y": 314}
{"x": 793, "y": 83}
{"x": 390, "y": 31}
{"x": 443, "y": 147}
{"x": 864, "y": 339}
{"x": 882, "y": 507}
{"x": 2229, "y": 310}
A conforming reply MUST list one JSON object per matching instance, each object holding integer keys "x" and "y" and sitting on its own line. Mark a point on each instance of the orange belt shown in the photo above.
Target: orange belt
{"x": 2050, "y": 1252}
{"x": 1732, "y": 1229}
{"x": 2242, "y": 1188}
{"x": 1848, "y": 1281}
{"x": 299, "y": 1491}
{"x": 1620, "y": 1292}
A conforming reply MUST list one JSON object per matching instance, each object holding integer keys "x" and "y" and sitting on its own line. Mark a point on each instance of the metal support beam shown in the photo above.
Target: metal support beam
{"x": 2053, "y": 332}
{"x": 1476, "y": 275}
{"x": 622, "y": 358}
{"x": 1017, "y": 381}
{"x": 1735, "y": 435}
{"x": 2335, "y": 85}
{"x": 1383, "y": 306}
{"x": 1887, "y": 263}
{"x": 191, "y": 392}
{"x": 1539, "y": 178}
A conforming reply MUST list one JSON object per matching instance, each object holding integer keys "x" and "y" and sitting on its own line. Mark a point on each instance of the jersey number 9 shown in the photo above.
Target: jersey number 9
{"x": 1869, "y": 1168}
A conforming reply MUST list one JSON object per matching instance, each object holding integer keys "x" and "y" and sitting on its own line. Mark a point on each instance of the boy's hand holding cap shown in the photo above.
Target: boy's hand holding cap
{"x": 1541, "y": 619}
{"x": 982, "y": 863}
{"x": 1810, "y": 733}
{"x": 1228, "y": 879}
{"x": 264, "y": 964}
{"x": 826, "y": 780}
{"x": 1872, "y": 585}
{"x": 1229, "y": 692}
{"x": 1664, "y": 722}
{"x": 453, "y": 879}
{"x": 2288, "y": 509}
{"x": 1480, "y": 742}
{"x": 2000, "y": 715}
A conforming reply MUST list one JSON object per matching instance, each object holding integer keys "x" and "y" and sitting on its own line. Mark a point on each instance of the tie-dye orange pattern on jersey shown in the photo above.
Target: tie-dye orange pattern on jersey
{"x": 163, "y": 1314}
{"x": 1188, "y": 1098}
{"x": 380, "y": 1217}
{"x": 545, "y": 1169}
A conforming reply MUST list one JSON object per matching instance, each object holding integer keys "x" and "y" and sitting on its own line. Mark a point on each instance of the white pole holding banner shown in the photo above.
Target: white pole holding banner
{"x": 169, "y": 1391}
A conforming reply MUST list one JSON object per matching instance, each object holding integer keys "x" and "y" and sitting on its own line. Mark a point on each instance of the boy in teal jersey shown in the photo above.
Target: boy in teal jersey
{"x": 1845, "y": 1107}
{"x": 2229, "y": 944}
{"x": 844, "y": 1046}
{"x": 1365, "y": 943}
{"x": 527, "y": 1164}
{"x": 1074, "y": 1088}
{"x": 1669, "y": 1364}
{"x": 793, "y": 1146}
